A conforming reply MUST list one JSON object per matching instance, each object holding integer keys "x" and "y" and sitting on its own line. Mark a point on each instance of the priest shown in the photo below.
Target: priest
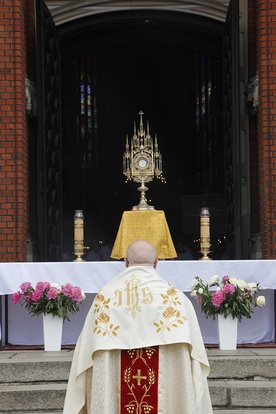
{"x": 141, "y": 349}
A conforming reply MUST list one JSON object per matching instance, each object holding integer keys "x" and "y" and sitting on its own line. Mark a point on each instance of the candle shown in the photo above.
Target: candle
{"x": 204, "y": 222}
{"x": 78, "y": 225}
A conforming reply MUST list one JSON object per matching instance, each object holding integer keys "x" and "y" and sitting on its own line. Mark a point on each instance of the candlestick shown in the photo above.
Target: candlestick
{"x": 79, "y": 235}
{"x": 205, "y": 233}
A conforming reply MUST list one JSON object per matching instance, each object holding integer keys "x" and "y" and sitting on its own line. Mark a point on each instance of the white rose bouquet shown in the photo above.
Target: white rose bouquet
{"x": 227, "y": 296}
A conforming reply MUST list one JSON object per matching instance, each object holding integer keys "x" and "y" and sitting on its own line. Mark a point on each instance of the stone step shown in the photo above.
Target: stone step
{"x": 248, "y": 367}
{"x": 249, "y": 411}
{"x": 43, "y": 366}
{"x": 243, "y": 394}
{"x": 32, "y": 372}
{"x": 33, "y": 397}
{"x": 30, "y": 366}
{"x": 33, "y": 382}
{"x": 240, "y": 382}
{"x": 50, "y": 396}
{"x": 242, "y": 363}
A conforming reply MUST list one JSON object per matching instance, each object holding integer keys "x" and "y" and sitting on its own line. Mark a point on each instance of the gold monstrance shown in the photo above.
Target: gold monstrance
{"x": 142, "y": 161}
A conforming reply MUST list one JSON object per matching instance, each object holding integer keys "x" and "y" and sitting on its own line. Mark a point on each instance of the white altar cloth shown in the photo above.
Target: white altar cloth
{"x": 91, "y": 276}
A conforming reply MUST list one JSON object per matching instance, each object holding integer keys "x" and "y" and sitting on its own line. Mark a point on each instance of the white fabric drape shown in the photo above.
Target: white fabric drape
{"x": 91, "y": 276}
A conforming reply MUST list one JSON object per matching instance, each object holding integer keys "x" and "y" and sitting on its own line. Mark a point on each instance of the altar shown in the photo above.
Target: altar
{"x": 23, "y": 329}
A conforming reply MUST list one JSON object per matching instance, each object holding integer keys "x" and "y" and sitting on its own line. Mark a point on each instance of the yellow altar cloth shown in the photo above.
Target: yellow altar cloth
{"x": 149, "y": 225}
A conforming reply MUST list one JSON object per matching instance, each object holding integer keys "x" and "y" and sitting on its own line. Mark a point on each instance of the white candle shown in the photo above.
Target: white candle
{"x": 204, "y": 222}
{"x": 78, "y": 225}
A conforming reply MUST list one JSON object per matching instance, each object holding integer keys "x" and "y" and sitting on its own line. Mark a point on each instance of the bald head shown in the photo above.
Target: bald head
{"x": 141, "y": 253}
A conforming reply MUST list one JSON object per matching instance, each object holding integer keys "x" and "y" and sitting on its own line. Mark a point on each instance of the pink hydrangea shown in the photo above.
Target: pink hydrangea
{"x": 16, "y": 297}
{"x": 52, "y": 293}
{"x": 36, "y": 296}
{"x": 25, "y": 286}
{"x": 229, "y": 288}
{"x": 218, "y": 297}
{"x": 41, "y": 286}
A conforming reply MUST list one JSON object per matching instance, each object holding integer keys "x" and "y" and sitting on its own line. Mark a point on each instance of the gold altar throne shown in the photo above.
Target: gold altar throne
{"x": 148, "y": 225}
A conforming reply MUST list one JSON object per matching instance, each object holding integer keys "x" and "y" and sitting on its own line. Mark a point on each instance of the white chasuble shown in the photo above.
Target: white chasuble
{"x": 139, "y": 310}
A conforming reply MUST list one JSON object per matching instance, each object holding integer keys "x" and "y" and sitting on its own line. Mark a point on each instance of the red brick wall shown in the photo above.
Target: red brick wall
{"x": 13, "y": 140}
{"x": 267, "y": 124}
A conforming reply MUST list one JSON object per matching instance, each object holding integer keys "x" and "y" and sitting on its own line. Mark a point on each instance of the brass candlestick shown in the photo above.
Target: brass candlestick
{"x": 205, "y": 233}
{"x": 78, "y": 235}
{"x": 142, "y": 161}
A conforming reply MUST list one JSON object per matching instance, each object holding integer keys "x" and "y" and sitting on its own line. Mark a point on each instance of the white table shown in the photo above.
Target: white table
{"x": 91, "y": 276}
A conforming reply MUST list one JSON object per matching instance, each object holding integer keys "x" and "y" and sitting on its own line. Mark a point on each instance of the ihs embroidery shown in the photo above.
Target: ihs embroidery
{"x": 133, "y": 296}
{"x": 172, "y": 317}
{"x": 102, "y": 321}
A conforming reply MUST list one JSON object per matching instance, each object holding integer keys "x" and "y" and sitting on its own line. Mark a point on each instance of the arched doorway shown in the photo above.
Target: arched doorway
{"x": 170, "y": 66}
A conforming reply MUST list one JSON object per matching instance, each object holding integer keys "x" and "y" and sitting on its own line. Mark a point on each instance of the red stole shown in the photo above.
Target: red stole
{"x": 139, "y": 381}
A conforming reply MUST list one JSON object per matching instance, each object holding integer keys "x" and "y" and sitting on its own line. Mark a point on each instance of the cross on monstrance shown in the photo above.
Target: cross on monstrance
{"x": 142, "y": 161}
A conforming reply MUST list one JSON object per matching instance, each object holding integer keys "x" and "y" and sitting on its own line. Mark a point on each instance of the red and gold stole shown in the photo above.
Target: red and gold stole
{"x": 139, "y": 381}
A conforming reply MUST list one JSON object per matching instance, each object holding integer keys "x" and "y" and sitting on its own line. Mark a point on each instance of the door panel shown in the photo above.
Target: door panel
{"x": 232, "y": 132}
{"x": 49, "y": 136}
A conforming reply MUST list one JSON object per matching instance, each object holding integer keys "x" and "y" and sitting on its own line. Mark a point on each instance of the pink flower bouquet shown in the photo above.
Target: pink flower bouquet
{"x": 229, "y": 296}
{"x": 49, "y": 298}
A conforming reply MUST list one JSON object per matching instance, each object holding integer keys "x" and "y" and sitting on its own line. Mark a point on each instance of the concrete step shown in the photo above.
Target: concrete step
{"x": 50, "y": 396}
{"x": 33, "y": 382}
{"x": 36, "y": 412}
{"x": 32, "y": 397}
{"x": 243, "y": 380}
{"x": 250, "y": 411}
{"x": 240, "y": 382}
{"x": 244, "y": 363}
{"x": 247, "y": 368}
{"x": 243, "y": 394}
{"x": 24, "y": 367}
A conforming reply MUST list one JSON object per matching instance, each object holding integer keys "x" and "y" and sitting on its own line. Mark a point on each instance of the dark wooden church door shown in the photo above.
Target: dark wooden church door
{"x": 49, "y": 137}
{"x": 232, "y": 132}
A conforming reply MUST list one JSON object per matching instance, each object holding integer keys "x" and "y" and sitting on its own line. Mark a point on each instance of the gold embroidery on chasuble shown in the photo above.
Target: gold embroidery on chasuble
{"x": 133, "y": 296}
{"x": 171, "y": 316}
{"x": 103, "y": 323}
{"x": 139, "y": 381}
